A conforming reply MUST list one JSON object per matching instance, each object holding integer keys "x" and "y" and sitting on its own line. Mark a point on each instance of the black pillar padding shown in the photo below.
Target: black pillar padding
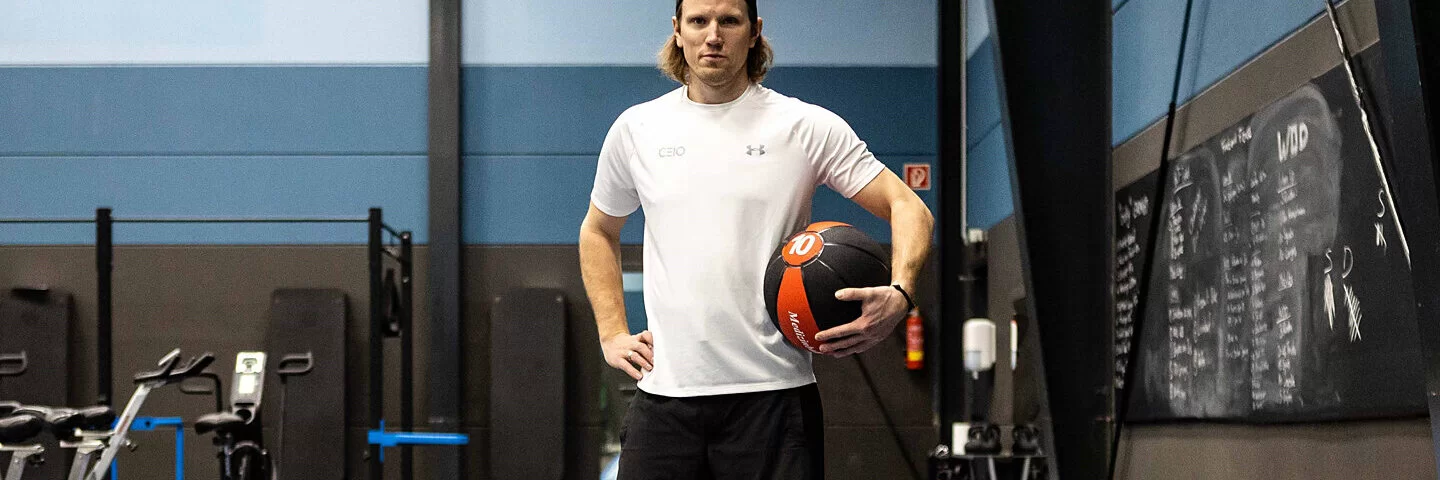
{"x": 445, "y": 270}
{"x": 1410, "y": 52}
{"x": 1054, "y": 83}
{"x": 955, "y": 307}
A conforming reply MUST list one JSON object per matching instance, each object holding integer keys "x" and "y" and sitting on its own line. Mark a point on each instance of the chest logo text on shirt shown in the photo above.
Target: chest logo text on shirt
{"x": 754, "y": 150}
{"x": 667, "y": 152}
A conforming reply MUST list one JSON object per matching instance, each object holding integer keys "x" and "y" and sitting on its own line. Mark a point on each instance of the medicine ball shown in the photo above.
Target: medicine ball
{"x": 806, "y": 271}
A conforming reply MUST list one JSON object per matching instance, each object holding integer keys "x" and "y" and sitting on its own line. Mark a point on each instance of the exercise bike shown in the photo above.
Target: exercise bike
{"x": 94, "y": 430}
{"x": 17, "y": 434}
{"x": 67, "y": 426}
{"x": 238, "y": 438}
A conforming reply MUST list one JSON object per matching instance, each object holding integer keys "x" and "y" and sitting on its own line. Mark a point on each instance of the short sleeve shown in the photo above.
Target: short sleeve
{"x": 846, "y": 164}
{"x": 614, "y": 191}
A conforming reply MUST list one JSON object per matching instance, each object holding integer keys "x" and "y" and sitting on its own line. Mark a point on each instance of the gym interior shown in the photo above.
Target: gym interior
{"x": 326, "y": 239}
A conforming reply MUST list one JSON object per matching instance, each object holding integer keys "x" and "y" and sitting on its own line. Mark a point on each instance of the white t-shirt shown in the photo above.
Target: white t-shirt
{"x": 722, "y": 186}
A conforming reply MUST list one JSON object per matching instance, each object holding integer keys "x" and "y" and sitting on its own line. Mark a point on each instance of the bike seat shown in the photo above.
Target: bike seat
{"x": 51, "y": 415}
{"x": 6, "y": 408}
{"x": 20, "y": 428}
{"x": 61, "y": 421}
{"x": 64, "y": 421}
{"x": 97, "y": 418}
{"x": 220, "y": 423}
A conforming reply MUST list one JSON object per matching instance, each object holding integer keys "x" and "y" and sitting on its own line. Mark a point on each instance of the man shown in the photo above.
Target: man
{"x": 725, "y": 170}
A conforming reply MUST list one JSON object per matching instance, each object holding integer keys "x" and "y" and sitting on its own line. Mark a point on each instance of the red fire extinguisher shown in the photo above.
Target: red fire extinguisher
{"x": 914, "y": 341}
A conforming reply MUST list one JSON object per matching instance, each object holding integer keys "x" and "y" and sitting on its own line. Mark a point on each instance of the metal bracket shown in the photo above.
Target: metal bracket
{"x": 19, "y": 361}
{"x": 394, "y": 439}
{"x": 146, "y": 424}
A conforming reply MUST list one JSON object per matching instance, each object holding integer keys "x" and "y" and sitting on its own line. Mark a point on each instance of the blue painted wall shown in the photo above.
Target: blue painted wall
{"x": 211, "y": 141}
{"x": 333, "y": 141}
{"x": 988, "y": 195}
{"x": 540, "y": 162}
{"x": 1224, "y": 35}
{"x": 317, "y": 108}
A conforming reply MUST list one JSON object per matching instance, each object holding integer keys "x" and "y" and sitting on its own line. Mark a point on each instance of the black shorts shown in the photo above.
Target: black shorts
{"x": 762, "y": 435}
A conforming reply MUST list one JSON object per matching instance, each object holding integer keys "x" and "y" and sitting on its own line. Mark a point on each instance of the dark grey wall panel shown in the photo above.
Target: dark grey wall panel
{"x": 1394, "y": 449}
{"x": 1007, "y": 284}
{"x": 198, "y": 298}
{"x": 847, "y": 399}
{"x": 869, "y": 452}
{"x": 215, "y": 297}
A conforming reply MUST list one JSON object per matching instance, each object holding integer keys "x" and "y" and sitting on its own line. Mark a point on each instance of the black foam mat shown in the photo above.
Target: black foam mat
{"x": 37, "y": 326}
{"x": 527, "y": 385}
{"x": 307, "y": 321}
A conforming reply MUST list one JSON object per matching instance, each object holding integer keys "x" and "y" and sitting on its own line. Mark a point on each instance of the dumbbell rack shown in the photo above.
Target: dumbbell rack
{"x": 947, "y": 466}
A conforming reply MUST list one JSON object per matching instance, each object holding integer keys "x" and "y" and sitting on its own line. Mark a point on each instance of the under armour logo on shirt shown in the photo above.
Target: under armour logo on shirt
{"x": 752, "y": 150}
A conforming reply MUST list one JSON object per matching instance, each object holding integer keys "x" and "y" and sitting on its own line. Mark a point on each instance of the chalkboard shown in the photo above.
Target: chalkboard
{"x": 1132, "y": 231}
{"x": 1282, "y": 286}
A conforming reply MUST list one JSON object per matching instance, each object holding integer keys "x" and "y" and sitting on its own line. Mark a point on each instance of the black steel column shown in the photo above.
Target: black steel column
{"x": 1410, "y": 51}
{"x": 954, "y": 303}
{"x": 444, "y": 281}
{"x": 104, "y": 269}
{"x": 377, "y": 340}
{"x": 1054, "y": 83}
{"x": 407, "y": 352}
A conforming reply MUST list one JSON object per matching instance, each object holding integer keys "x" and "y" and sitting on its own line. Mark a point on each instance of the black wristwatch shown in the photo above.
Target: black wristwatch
{"x": 908, "y": 299}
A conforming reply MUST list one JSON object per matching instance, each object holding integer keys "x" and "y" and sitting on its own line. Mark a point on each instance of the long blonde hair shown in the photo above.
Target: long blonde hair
{"x": 757, "y": 60}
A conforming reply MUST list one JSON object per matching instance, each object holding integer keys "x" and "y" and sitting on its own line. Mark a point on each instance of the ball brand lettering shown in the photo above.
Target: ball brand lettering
{"x": 795, "y": 327}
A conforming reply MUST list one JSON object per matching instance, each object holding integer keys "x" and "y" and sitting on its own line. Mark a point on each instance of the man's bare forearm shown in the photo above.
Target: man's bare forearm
{"x": 911, "y": 228}
{"x": 600, "y": 270}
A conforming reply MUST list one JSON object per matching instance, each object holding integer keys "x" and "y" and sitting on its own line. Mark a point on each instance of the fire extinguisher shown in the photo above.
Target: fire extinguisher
{"x": 914, "y": 341}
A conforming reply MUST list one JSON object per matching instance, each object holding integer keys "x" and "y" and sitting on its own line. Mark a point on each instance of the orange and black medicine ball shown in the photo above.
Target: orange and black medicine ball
{"x": 806, "y": 271}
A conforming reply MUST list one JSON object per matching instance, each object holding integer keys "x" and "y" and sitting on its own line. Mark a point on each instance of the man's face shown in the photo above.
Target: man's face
{"x": 716, "y": 36}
